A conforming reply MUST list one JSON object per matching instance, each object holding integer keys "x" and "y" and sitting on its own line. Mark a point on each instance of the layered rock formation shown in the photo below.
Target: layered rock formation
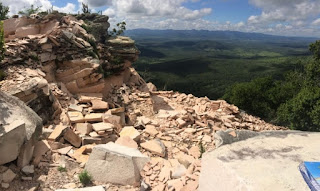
{"x": 84, "y": 88}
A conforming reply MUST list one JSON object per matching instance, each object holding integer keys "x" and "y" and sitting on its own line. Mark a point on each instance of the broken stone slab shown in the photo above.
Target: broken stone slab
{"x": 11, "y": 109}
{"x": 102, "y": 126}
{"x": 57, "y": 132}
{"x": 72, "y": 138}
{"x": 83, "y": 128}
{"x": 93, "y": 117}
{"x": 127, "y": 141}
{"x": 250, "y": 165}
{"x": 93, "y": 188}
{"x": 29, "y": 169}
{"x": 131, "y": 132}
{"x": 99, "y": 105}
{"x": 75, "y": 117}
{"x": 8, "y": 176}
{"x": 113, "y": 163}
{"x": 155, "y": 146}
{"x": 12, "y": 137}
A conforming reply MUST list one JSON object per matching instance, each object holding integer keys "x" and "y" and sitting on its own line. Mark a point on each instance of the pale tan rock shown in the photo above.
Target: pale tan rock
{"x": 75, "y": 117}
{"x": 207, "y": 139}
{"x": 181, "y": 122}
{"x": 64, "y": 150}
{"x": 79, "y": 156}
{"x": 83, "y": 128}
{"x": 151, "y": 130}
{"x": 233, "y": 134}
{"x": 190, "y": 130}
{"x": 99, "y": 105}
{"x": 117, "y": 110}
{"x": 5, "y": 185}
{"x": 165, "y": 174}
{"x": 194, "y": 151}
{"x": 40, "y": 148}
{"x": 179, "y": 171}
{"x": 8, "y": 176}
{"x": 69, "y": 185}
{"x": 131, "y": 132}
{"x": 72, "y": 138}
{"x": 57, "y": 132}
{"x": 127, "y": 141}
{"x": 191, "y": 185}
{"x": 155, "y": 146}
{"x": 93, "y": 117}
{"x": 102, "y": 126}
{"x": 184, "y": 159}
{"x": 88, "y": 97}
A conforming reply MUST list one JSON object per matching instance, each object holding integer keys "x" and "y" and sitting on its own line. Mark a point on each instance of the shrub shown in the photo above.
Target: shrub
{"x": 85, "y": 178}
{"x": 30, "y": 11}
{"x": 121, "y": 27}
{"x": 62, "y": 169}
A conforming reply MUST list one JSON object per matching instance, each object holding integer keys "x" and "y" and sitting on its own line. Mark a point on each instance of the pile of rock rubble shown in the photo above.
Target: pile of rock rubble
{"x": 124, "y": 132}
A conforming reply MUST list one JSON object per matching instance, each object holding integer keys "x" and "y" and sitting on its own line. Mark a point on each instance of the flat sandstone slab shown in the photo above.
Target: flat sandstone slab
{"x": 268, "y": 161}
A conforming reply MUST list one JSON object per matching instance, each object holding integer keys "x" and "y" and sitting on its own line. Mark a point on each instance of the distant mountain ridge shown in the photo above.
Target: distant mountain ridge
{"x": 212, "y": 35}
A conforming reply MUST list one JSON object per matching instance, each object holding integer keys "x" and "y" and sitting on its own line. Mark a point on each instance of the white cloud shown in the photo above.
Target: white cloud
{"x": 18, "y": 5}
{"x": 316, "y": 22}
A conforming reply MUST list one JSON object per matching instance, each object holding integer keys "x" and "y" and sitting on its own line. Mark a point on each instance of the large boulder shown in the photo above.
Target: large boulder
{"x": 20, "y": 128}
{"x": 113, "y": 163}
{"x": 267, "y": 161}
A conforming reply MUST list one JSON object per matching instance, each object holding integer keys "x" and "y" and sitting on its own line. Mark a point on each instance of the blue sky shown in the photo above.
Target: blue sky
{"x": 279, "y": 17}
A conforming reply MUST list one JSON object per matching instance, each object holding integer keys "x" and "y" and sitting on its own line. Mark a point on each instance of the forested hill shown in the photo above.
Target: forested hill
{"x": 212, "y": 35}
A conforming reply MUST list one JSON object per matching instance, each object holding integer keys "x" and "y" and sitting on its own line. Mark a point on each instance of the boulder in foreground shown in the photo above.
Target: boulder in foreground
{"x": 268, "y": 161}
{"x": 113, "y": 163}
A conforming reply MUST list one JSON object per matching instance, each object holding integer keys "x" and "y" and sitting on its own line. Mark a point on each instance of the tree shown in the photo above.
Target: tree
{"x": 121, "y": 27}
{"x": 85, "y": 8}
{"x": 30, "y": 11}
{"x": 4, "y": 10}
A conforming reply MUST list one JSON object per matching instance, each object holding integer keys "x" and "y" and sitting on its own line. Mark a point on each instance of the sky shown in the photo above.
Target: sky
{"x": 277, "y": 17}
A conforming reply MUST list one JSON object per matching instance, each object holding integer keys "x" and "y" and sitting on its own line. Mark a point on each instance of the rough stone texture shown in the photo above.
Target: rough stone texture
{"x": 12, "y": 137}
{"x": 155, "y": 146}
{"x": 268, "y": 161}
{"x": 113, "y": 163}
{"x": 12, "y": 109}
{"x": 93, "y": 188}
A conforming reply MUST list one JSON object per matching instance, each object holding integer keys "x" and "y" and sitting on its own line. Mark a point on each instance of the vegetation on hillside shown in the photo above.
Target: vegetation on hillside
{"x": 29, "y": 11}
{"x": 293, "y": 101}
{"x": 4, "y": 10}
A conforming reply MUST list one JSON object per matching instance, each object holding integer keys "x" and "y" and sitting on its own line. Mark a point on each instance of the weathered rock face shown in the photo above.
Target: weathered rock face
{"x": 96, "y": 24}
{"x": 113, "y": 163}
{"x": 14, "y": 133}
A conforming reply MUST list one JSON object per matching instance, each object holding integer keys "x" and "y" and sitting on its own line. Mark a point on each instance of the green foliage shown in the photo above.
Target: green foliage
{"x": 121, "y": 27}
{"x": 2, "y": 48}
{"x": 201, "y": 149}
{"x": 94, "y": 46}
{"x": 293, "y": 101}
{"x": 303, "y": 111}
{"x": 30, "y": 11}
{"x": 62, "y": 169}
{"x": 4, "y": 10}
{"x": 2, "y": 75}
{"x": 85, "y": 178}
{"x": 85, "y": 8}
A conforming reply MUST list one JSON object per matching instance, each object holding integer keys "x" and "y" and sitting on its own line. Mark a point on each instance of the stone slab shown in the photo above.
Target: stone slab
{"x": 267, "y": 161}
